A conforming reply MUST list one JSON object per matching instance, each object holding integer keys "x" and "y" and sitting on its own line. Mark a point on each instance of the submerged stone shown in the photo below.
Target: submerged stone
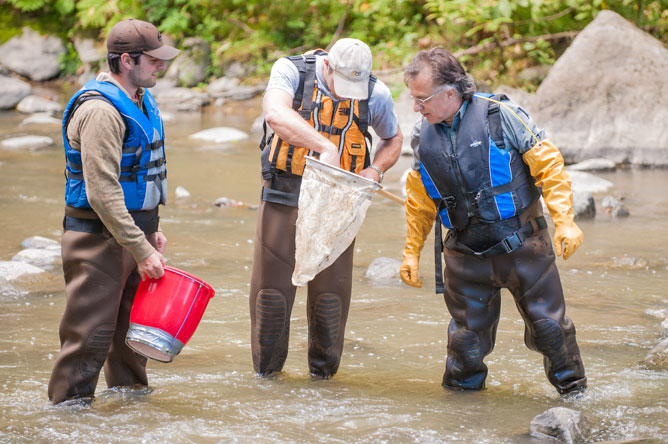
{"x": 565, "y": 425}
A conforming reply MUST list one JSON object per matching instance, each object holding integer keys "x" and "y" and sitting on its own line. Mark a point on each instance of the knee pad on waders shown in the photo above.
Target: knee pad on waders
{"x": 271, "y": 315}
{"x": 464, "y": 367}
{"x": 565, "y": 372}
{"x": 325, "y": 330}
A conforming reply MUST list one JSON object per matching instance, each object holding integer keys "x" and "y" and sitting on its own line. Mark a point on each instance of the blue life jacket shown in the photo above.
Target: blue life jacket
{"x": 476, "y": 181}
{"x": 143, "y": 171}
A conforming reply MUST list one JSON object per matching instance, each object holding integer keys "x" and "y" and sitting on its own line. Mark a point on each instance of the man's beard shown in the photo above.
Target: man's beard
{"x": 136, "y": 80}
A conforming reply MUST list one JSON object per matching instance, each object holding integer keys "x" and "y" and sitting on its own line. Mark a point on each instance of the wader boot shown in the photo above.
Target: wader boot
{"x": 472, "y": 295}
{"x": 100, "y": 283}
{"x": 328, "y": 304}
{"x": 272, "y": 297}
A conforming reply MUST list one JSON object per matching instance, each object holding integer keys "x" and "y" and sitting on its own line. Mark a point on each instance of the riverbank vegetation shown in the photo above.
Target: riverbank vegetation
{"x": 496, "y": 39}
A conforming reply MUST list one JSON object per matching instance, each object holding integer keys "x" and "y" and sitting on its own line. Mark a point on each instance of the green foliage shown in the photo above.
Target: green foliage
{"x": 69, "y": 60}
{"x": 506, "y": 35}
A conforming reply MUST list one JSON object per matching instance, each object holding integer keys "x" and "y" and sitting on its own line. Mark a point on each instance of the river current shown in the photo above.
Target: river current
{"x": 388, "y": 385}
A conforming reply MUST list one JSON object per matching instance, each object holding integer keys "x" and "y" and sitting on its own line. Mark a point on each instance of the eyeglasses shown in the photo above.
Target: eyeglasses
{"x": 423, "y": 102}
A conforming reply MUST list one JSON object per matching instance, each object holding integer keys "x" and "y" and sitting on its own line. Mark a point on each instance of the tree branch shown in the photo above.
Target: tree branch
{"x": 509, "y": 42}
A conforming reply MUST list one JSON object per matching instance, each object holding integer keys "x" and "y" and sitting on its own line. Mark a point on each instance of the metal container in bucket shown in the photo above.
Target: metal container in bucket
{"x": 165, "y": 314}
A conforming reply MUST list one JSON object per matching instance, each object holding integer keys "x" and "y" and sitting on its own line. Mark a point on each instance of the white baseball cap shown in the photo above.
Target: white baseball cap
{"x": 351, "y": 61}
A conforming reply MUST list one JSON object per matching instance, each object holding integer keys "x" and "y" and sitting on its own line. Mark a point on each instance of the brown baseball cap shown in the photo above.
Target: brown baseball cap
{"x": 132, "y": 35}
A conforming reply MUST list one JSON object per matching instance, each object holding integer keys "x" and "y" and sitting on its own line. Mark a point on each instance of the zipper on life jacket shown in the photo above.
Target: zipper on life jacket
{"x": 458, "y": 172}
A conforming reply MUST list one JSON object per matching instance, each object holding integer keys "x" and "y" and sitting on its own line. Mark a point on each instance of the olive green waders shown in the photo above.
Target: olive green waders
{"x": 100, "y": 283}
{"x": 272, "y": 296}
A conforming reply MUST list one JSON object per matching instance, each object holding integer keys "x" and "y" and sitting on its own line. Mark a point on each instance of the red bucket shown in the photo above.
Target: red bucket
{"x": 165, "y": 314}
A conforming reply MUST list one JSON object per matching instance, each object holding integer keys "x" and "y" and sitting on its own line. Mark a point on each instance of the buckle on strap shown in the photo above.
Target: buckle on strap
{"x": 513, "y": 242}
{"x": 450, "y": 202}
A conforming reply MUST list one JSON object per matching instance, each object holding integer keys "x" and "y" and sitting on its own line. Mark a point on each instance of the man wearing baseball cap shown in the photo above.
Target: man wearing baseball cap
{"x": 319, "y": 104}
{"x": 115, "y": 180}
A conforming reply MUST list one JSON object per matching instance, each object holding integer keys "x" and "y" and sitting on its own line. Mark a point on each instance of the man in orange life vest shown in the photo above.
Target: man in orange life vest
{"x": 320, "y": 104}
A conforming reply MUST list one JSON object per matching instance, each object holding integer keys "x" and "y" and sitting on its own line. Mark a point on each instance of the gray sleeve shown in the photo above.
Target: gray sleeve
{"x": 382, "y": 117}
{"x": 518, "y": 127}
{"x": 284, "y": 76}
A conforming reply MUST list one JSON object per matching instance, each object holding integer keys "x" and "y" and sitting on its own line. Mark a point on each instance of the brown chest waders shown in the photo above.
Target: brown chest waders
{"x": 472, "y": 295}
{"x": 100, "y": 283}
{"x": 272, "y": 297}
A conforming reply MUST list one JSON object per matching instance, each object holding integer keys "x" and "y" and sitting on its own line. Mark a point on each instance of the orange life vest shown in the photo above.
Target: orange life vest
{"x": 340, "y": 122}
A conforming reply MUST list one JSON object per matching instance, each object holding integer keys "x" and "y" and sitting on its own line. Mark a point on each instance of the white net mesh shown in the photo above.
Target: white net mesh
{"x": 332, "y": 206}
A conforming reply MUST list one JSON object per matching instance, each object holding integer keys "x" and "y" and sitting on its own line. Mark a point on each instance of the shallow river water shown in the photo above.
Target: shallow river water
{"x": 388, "y": 386}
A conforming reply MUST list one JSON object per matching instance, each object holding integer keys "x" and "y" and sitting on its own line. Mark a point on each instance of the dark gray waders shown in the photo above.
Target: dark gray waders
{"x": 100, "y": 283}
{"x": 272, "y": 297}
{"x": 472, "y": 295}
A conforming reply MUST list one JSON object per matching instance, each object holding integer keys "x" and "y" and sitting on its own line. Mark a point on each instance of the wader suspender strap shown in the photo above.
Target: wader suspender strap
{"x": 363, "y": 122}
{"x": 438, "y": 256}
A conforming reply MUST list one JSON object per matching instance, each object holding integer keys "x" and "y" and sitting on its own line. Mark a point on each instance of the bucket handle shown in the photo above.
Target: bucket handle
{"x": 187, "y": 314}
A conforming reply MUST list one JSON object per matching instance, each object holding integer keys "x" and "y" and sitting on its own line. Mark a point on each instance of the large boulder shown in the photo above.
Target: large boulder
{"x": 606, "y": 95}
{"x": 32, "y": 55}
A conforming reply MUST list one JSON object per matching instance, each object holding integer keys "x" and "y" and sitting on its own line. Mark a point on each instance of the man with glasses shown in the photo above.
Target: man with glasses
{"x": 319, "y": 104}
{"x": 480, "y": 166}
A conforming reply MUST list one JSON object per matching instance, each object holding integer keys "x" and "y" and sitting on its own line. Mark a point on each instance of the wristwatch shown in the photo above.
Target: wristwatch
{"x": 379, "y": 171}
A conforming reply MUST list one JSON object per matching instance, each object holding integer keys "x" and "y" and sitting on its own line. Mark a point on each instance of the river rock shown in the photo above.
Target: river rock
{"x": 585, "y": 100}
{"x": 384, "y": 270}
{"x": 613, "y": 207}
{"x": 41, "y": 119}
{"x": 565, "y": 425}
{"x": 588, "y": 182}
{"x": 181, "y": 193}
{"x": 657, "y": 358}
{"x": 241, "y": 93}
{"x": 257, "y": 127}
{"x": 40, "y": 242}
{"x": 13, "y": 271}
{"x": 27, "y": 142}
{"x": 180, "y": 99}
{"x": 190, "y": 67}
{"x": 46, "y": 258}
{"x": 88, "y": 50}
{"x": 12, "y": 91}
{"x": 36, "y": 104}
{"x": 226, "y": 202}
{"x": 221, "y": 134}
{"x": 222, "y": 86}
{"x": 584, "y": 206}
{"x": 596, "y": 164}
{"x": 32, "y": 55}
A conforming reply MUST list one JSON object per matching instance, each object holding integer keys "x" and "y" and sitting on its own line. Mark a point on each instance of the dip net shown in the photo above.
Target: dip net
{"x": 332, "y": 206}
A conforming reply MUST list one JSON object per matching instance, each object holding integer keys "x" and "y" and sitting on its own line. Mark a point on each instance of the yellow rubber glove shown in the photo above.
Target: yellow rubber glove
{"x": 420, "y": 216}
{"x": 547, "y": 167}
